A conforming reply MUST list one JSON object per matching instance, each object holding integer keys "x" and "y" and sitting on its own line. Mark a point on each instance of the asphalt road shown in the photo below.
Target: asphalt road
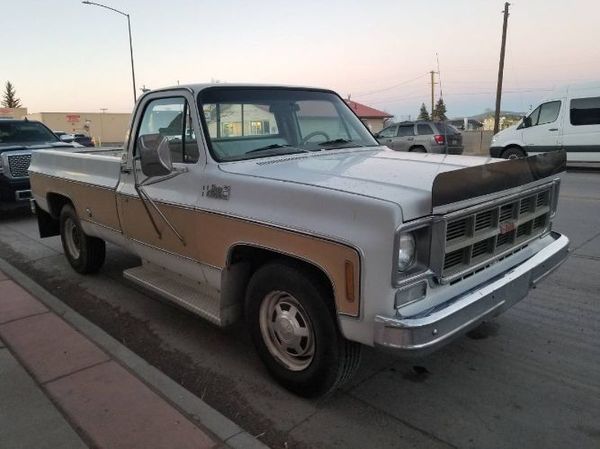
{"x": 529, "y": 379}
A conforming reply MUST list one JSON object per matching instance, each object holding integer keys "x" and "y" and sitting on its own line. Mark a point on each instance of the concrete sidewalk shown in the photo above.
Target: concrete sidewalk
{"x": 60, "y": 389}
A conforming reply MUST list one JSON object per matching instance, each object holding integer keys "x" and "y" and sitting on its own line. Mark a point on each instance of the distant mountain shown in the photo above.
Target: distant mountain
{"x": 490, "y": 113}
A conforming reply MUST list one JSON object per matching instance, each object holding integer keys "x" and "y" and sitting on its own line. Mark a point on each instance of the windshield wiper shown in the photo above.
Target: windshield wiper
{"x": 274, "y": 146}
{"x": 336, "y": 142}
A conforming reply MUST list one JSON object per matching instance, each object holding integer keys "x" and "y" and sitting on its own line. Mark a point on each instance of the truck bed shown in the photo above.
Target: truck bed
{"x": 86, "y": 178}
{"x": 98, "y": 166}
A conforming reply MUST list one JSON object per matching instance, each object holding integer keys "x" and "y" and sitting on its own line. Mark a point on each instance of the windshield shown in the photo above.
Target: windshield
{"x": 244, "y": 123}
{"x": 25, "y": 133}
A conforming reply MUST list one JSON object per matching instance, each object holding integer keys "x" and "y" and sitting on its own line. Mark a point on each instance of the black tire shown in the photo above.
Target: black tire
{"x": 418, "y": 149}
{"x": 334, "y": 358}
{"x": 85, "y": 254}
{"x": 513, "y": 153}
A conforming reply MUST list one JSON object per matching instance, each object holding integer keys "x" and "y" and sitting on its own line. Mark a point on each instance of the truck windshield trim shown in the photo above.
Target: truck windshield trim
{"x": 237, "y": 120}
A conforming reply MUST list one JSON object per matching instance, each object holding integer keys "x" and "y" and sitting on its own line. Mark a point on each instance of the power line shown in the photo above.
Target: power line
{"x": 403, "y": 83}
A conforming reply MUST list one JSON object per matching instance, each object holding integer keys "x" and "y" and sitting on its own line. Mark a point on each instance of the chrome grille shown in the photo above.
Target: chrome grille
{"x": 18, "y": 164}
{"x": 473, "y": 239}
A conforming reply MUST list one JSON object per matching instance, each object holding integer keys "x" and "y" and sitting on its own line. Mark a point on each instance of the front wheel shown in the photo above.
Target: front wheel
{"x": 295, "y": 331}
{"x": 513, "y": 153}
{"x": 84, "y": 253}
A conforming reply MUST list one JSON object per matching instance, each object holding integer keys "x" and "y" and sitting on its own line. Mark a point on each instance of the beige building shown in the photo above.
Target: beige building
{"x": 103, "y": 127}
{"x": 14, "y": 113}
{"x": 505, "y": 122}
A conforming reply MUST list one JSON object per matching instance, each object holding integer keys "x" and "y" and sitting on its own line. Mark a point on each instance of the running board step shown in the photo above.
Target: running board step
{"x": 191, "y": 295}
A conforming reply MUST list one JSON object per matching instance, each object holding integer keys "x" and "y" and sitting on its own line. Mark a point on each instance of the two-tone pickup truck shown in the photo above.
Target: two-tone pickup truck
{"x": 277, "y": 204}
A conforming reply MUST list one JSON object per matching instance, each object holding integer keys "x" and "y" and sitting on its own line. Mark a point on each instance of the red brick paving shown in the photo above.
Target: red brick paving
{"x": 113, "y": 407}
{"x": 16, "y": 303}
{"x": 3, "y": 276}
{"x": 119, "y": 412}
{"x": 49, "y": 347}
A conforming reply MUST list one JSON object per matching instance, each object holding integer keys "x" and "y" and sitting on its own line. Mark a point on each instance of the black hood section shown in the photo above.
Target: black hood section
{"x": 467, "y": 183}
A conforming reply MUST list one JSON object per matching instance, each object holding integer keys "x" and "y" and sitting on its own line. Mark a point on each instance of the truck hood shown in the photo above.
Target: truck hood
{"x": 405, "y": 179}
{"x": 36, "y": 146}
{"x": 506, "y": 132}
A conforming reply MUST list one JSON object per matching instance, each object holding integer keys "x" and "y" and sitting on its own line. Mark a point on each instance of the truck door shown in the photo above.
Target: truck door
{"x": 387, "y": 136}
{"x": 406, "y": 137}
{"x": 163, "y": 224}
{"x": 541, "y": 133}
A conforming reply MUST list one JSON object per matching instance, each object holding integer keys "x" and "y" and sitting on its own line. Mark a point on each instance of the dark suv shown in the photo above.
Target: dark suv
{"x": 18, "y": 139}
{"x": 422, "y": 137}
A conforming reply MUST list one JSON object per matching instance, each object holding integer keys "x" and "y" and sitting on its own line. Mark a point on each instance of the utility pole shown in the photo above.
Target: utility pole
{"x": 432, "y": 93}
{"x": 501, "y": 70}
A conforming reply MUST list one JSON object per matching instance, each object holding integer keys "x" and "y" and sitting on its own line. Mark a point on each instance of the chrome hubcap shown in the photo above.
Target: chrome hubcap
{"x": 72, "y": 238}
{"x": 286, "y": 330}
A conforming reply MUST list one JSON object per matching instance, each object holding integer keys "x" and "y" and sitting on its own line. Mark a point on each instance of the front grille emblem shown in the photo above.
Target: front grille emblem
{"x": 506, "y": 227}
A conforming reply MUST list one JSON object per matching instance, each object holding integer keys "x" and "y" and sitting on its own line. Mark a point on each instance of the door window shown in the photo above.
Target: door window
{"x": 171, "y": 118}
{"x": 424, "y": 129}
{"x": 585, "y": 111}
{"x": 545, "y": 113}
{"x": 390, "y": 131}
{"x": 533, "y": 117}
{"x": 549, "y": 112}
{"x": 406, "y": 130}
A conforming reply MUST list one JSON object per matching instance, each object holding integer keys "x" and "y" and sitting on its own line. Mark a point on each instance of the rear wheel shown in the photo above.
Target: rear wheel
{"x": 295, "y": 331}
{"x": 85, "y": 254}
{"x": 513, "y": 153}
{"x": 418, "y": 150}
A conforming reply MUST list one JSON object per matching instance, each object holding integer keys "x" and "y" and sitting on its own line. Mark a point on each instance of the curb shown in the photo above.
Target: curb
{"x": 197, "y": 410}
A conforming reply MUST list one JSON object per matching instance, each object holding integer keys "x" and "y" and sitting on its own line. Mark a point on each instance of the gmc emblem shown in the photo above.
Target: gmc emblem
{"x": 506, "y": 227}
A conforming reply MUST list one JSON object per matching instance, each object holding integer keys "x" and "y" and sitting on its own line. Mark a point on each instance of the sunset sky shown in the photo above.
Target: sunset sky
{"x": 65, "y": 56}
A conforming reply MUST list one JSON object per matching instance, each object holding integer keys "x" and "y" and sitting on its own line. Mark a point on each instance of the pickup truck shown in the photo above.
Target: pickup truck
{"x": 276, "y": 204}
{"x": 18, "y": 140}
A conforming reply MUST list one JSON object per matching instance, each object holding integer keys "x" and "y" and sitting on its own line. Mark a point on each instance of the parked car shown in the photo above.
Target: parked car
{"x": 18, "y": 139}
{"x": 569, "y": 119}
{"x": 422, "y": 137}
{"x": 84, "y": 140}
{"x": 278, "y": 202}
{"x": 81, "y": 139}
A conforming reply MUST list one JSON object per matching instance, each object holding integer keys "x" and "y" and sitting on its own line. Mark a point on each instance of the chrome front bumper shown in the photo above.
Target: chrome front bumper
{"x": 428, "y": 331}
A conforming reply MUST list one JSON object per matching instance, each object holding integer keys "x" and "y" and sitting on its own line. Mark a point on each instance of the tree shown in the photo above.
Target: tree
{"x": 423, "y": 114}
{"x": 10, "y": 99}
{"x": 439, "y": 112}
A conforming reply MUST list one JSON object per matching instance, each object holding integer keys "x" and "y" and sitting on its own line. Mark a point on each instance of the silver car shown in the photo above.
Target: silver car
{"x": 422, "y": 137}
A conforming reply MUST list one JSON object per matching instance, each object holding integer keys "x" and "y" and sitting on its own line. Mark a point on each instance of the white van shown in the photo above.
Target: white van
{"x": 568, "y": 119}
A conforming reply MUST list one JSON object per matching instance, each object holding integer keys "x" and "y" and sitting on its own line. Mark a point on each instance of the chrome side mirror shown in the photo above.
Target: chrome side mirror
{"x": 67, "y": 138}
{"x": 155, "y": 155}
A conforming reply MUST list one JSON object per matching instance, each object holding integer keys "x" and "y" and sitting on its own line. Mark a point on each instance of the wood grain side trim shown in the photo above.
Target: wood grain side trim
{"x": 92, "y": 203}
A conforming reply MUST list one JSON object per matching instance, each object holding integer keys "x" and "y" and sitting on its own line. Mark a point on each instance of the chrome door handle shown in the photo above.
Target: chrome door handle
{"x": 553, "y": 129}
{"x": 411, "y": 138}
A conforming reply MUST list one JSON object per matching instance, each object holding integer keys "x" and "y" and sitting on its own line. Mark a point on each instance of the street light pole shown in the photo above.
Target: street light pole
{"x": 85, "y": 2}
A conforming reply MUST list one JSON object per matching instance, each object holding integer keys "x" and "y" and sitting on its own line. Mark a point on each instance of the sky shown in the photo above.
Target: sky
{"x": 62, "y": 55}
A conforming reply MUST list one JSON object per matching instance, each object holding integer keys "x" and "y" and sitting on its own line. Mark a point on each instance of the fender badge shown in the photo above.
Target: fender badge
{"x": 217, "y": 192}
